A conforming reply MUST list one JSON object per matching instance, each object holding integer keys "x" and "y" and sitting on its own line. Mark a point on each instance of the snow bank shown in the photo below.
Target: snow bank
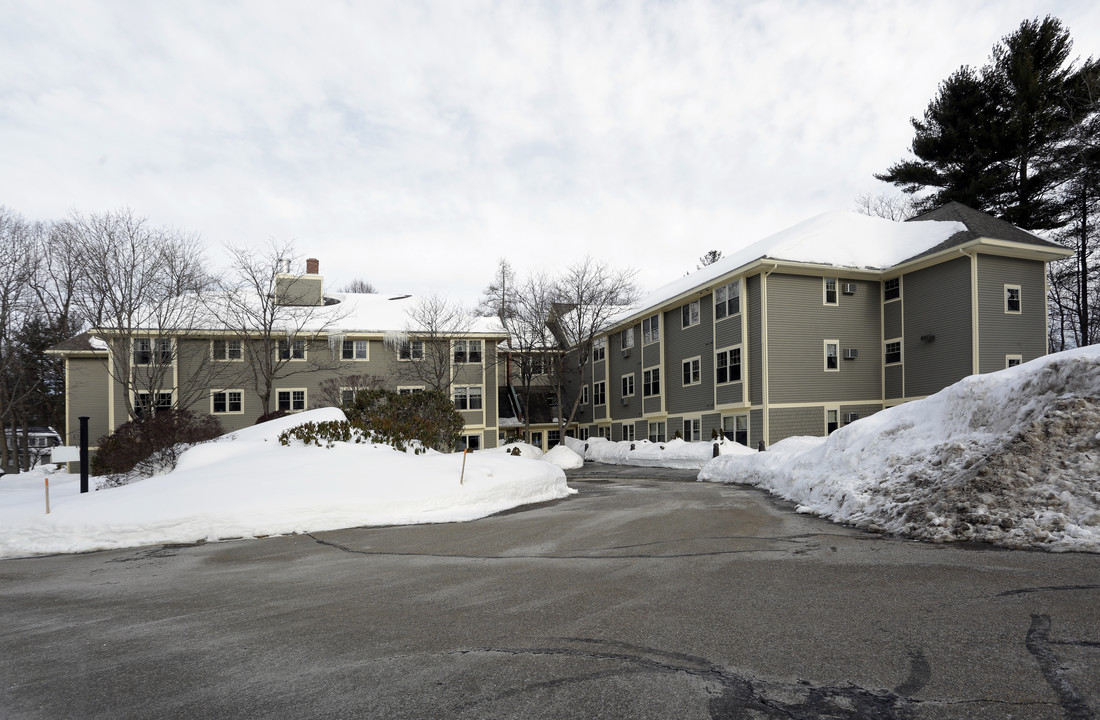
{"x": 1011, "y": 458}
{"x": 247, "y": 485}
{"x": 564, "y": 458}
{"x": 675, "y": 453}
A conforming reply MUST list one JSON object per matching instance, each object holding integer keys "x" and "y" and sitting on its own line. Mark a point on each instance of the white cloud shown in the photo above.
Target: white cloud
{"x": 413, "y": 143}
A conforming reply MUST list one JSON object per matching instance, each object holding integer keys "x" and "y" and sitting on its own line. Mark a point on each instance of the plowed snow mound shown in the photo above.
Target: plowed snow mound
{"x": 1011, "y": 458}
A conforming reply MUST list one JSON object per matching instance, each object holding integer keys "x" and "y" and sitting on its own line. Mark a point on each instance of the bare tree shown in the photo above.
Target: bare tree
{"x": 534, "y": 349}
{"x": 424, "y": 347}
{"x": 588, "y": 295}
{"x": 17, "y": 269}
{"x": 359, "y": 285}
{"x": 333, "y": 389}
{"x": 274, "y": 321}
{"x": 139, "y": 286}
{"x": 711, "y": 257}
{"x": 891, "y": 207}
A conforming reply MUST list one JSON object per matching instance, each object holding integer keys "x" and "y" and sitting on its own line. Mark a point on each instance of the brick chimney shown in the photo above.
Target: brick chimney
{"x": 311, "y": 266}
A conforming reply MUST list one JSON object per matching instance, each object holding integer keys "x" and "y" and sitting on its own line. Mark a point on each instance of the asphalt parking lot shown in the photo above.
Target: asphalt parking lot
{"x": 646, "y": 595}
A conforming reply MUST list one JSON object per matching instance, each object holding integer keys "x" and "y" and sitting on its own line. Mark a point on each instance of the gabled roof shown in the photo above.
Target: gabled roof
{"x": 978, "y": 225}
{"x": 83, "y": 343}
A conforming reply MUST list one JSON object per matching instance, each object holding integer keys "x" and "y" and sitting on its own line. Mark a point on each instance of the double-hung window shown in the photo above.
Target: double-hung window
{"x": 832, "y": 347}
{"x": 689, "y": 314}
{"x": 628, "y": 385}
{"x": 829, "y": 285}
{"x": 152, "y": 401}
{"x": 1012, "y": 299}
{"x": 651, "y": 329}
{"x": 599, "y": 349}
{"x": 656, "y": 432}
{"x": 467, "y": 351}
{"x": 891, "y": 289}
{"x": 467, "y": 397}
{"x": 226, "y": 402}
{"x": 693, "y": 430}
{"x": 226, "y": 350}
{"x": 354, "y": 350}
{"x": 412, "y": 350}
{"x": 892, "y": 352}
{"x": 628, "y": 338}
{"x": 628, "y": 432}
{"x": 291, "y": 400}
{"x": 727, "y": 299}
{"x": 728, "y": 365}
{"x": 651, "y": 382}
{"x": 293, "y": 350}
{"x": 692, "y": 371}
{"x": 599, "y": 393}
{"x": 152, "y": 351}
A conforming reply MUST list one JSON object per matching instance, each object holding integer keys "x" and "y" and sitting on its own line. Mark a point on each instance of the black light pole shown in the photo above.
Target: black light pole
{"x": 83, "y": 453}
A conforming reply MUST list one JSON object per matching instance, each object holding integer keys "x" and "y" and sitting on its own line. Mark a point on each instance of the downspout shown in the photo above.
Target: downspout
{"x": 764, "y": 352}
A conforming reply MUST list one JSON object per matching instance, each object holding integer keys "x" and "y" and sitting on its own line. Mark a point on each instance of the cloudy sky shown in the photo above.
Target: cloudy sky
{"x": 412, "y": 144}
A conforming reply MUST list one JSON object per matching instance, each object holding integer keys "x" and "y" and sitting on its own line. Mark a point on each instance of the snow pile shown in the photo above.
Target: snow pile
{"x": 675, "y": 453}
{"x": 564, "y": 458}
{"x": 1010, "y": 458}
{"x": 248, "y": 485}
{"x": 520, "y": 449}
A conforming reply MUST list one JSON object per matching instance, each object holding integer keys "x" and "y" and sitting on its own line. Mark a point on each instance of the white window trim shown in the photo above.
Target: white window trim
{"x": 628, "y": 333}
{"x": 694, "y": 309}
{"x": 632, "y": 433}
{"x": 466, "y": 353}
{"x": 1019, "y": 299}
{"x": 633, "y": 384}
{"x": 584, "y": 394}
{"x": 227, "y": 410}
{"x": 596, "y": 385}
{"x": 171, "y": 393}
{"x": 825, "y": 355}
{"x": 353, "y": 358}
{"x": 599, "y": 347}
{"x": 467, "y": 388}
{"x": 657, "y": 369}
{"x": 901, "y": 350}
{"x": 305, "y": 398}
{"x": 741, "y": 365}
{"x": 154, "y": 353}
{"x": 290, "y": 344}
{"x": 406, "y": 389}
{"x": 214, "y": 358}
{"x": 1009, "y": 358}
{"x": 825, "y": 291}
{"x": 898, "y": 298}
{"x": 411, "y": 358}
{"x": 653, "y": 337}
{"x": 697, "y": 359}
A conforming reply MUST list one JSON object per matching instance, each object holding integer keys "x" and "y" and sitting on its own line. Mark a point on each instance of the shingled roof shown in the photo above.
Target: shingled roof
{"x": 978, "y": 225}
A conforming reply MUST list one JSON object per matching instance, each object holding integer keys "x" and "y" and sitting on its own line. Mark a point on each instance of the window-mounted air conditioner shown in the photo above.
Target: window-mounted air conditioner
{"x": 851, "y": 353}
{"x": 624, "y": 401}
{"x": 848, "y": 288}
{"x": 850, "y": 417}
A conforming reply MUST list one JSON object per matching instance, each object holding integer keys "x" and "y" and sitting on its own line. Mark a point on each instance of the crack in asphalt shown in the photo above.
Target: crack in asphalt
{"x": 1046, "y": 588}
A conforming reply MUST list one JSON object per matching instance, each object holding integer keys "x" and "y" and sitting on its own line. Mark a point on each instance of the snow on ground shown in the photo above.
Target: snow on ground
{"x": 246, "y": 484}
{"x": 1010, "y": 458}
{"x": 675, "y": 453}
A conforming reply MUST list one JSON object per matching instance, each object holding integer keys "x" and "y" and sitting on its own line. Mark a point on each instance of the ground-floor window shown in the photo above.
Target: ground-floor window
{"x": 656, "y": 432}
{"x": 291, "y": 400}
{"x": 467, "y": 397}
{"x": 152, "y": 401}
{"x": 471, "y": 442}
{"x": 553, "y": 437}
{"x": 604, "y": 431}
{"x": 628, "y": 432}
{"x": 583, "y": 433}
{"x": 832, "y": 418}
{"x": 226, "y": 401}
{"x": 736, "y": 428}
{"x": 693, "y": 430}
{"x": 536, "y": 439}
{"x": 1013, "y": 360}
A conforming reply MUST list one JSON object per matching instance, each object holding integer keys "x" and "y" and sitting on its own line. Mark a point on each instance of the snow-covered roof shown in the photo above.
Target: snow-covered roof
{"x": 839, "y": 239}
{"x": 361, "y": 312}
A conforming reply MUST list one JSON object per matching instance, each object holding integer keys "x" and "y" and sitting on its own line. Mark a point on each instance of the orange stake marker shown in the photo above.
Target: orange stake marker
{"x": 47, "y": 496}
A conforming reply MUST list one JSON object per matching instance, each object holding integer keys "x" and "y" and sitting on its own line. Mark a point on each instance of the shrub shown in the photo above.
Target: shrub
{"x": 152, "y": 444}
{"x": 429, "y": 418}
{"x": 271, "y": 416}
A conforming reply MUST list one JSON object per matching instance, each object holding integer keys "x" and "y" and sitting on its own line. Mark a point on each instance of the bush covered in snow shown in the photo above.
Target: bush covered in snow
{"x": 428, "y": 418}
{"x": 150, "y": 445}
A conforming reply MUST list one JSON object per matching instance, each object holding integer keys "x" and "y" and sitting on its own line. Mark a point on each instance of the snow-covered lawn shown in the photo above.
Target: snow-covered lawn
{"x": 247, "y": 485}
{"x": 1011, "y": 458}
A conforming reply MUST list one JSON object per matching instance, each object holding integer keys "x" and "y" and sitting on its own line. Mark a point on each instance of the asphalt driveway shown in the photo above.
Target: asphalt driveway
{"x": 646, "y": 595}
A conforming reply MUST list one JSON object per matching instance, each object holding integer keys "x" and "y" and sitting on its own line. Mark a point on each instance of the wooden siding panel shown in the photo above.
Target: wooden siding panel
{"x": 937, "y": 303}
{"x": 681, "y": 344}
{"x": 891, "y": 319}
{"x": 754, "y": 351}
{"x": 620, "y": 363}
{"x": 87, "y": 395}
{"x": 893, "y": 386}
{"x": 730, "y": 393}
{"x": 789, "y": 422}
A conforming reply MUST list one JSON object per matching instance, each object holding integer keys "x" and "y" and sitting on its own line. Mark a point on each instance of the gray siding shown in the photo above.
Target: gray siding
{"x": 622, "y": 362}
{"x": 798, "y": 325}
{"x": 732, "y": 393}
{"x": 937, "y": 302}
{"x": 1002, "y": 333}
{"x": 754, "y": 351}
{"x": 789, "y": 422}
{"x": 861, "y": 410}
{"x": 684, "y": 343}
{"x": 891, "y": 319}
{"x": 893, "y": 377}
{"x": 756, "y": 426}
{"x": 87, "y": 396}
{"x": 727, "y": 330}
{"x": 712, "y": 423}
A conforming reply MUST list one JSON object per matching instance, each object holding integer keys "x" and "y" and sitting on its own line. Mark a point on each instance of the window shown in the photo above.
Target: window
{"x": 354, "y": 350}
{"x": 651, "y": 329}
{"x": 690, "y": 314}
{"x": 226, "y": 401}
{"x": 553, "y": 437}
{"x": 535, "y": 364}
{"x": 651, "y": 382}
{"x": 293, "y": 350}
{"x": 1012, "y": 299}
{"x": 831, "y": 355}
{"x": 604, "y": 431}
{"x": 599, "y": 349}
{"x": 628, "y": 385}
{"x": 226, "y": 350}
{"x": 411, "y": 350}
{"x": 830, "y": 291}
{"x": 656, "y": 432}
{"x": 467, "y": 351}
{"x": 628, "y": 339}
{"x": 152, "y": 351}
{"x": 152, "y": 401}
{"x": 583, "y": 433}
{"x": 727, "y": 300}
{"x": 693, "y": 430}
{"x": 692, "y": 372}
{"x": 892, "y": 353}
{"x": 728, "y": 365}
{"x": 536, "y": 439}
{"x": 599, "y": 393}
{"x": 472, "y": 442}
{"x": 409, "y": 389}
{"x": 628, "y": 432}
{"x": 891, "y": 289}
{"x": 831, "y": 424}
{"x": 292, "y": 400}
{"x": 467, "y": 397}
{"x": 584, "y": 395}
{"x": 736, "y": 428}
{"x": 1013, "y": 360}
{"x": 347, "y": 396}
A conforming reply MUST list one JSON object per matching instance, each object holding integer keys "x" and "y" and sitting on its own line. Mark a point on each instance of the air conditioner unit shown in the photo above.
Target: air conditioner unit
{"x": 626, "y": 353}
{"x": 624, "y": 401}
{"x": 848, "y": 288}
{"x": 851, "y": 353}
{"x": 850, "y": 417}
